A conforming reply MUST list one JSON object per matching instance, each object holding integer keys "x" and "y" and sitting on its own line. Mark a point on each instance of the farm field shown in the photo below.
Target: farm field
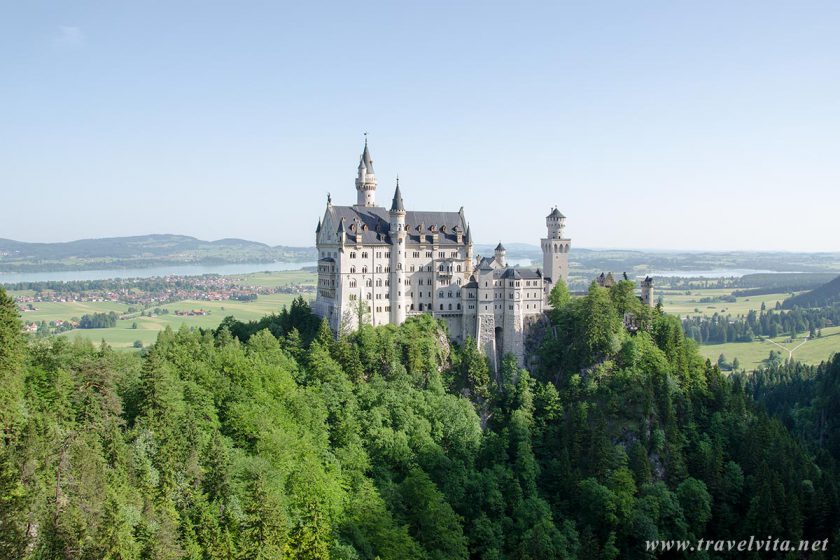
{"x": 123, "y": 336}
{"x": 751, "y": 354}
{"x": 679, "y": 303}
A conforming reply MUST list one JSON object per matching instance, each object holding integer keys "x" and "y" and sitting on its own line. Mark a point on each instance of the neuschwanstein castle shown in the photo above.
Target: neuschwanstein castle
{"x": 383, "y": 265}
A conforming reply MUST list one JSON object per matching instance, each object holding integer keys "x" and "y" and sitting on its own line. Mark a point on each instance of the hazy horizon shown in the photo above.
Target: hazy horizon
{"x": 656, "y": 126}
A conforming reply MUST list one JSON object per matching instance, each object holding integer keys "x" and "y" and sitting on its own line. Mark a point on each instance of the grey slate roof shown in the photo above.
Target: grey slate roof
{"x": 397, "y": 204}
{"x": 377, "y": 222}
{"x": 366, "y": 159}
{"x": 522, "y": 274}
{"x": 555, "y": 214}
{"x": 500, "y": 247}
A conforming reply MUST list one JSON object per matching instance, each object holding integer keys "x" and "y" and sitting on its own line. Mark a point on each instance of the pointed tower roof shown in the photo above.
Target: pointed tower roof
{"x": 366, "y": 160}
{"x": 555, "y": 214}
{"x": 500, "y": 247}
{"x": 397, "y": 204}
{"x": 468, "y": 235}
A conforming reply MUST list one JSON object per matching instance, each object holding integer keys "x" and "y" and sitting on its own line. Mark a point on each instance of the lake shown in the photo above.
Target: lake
{"x": 718, "y": 273}
{"x": 177, "y": 270}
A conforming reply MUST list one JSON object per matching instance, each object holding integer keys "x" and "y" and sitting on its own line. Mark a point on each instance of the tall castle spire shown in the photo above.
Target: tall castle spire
{"x": 365, "y": 179}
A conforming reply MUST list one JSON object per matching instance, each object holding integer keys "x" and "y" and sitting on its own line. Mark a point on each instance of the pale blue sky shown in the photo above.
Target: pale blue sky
{"x": 685, "y": 125}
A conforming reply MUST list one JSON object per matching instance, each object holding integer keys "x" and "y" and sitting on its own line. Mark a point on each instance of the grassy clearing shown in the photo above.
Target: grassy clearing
{"x": 751, "y": 354}
{"x": 123, "y": 335}
{"x": 679, "y": 303}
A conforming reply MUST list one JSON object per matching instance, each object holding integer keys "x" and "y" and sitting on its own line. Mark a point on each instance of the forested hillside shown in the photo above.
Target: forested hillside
{"x": 273, "y": 440}
{"x": 826, "y": 295}
{"x": 140, "y": 251}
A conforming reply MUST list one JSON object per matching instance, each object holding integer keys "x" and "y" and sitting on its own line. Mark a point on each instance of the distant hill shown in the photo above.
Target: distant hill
{"x": 140, "y": 251}
{"x": 824, "y": 296}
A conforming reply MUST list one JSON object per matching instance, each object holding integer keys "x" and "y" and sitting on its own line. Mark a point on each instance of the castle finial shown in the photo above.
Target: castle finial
{"x": 329, "y": 199}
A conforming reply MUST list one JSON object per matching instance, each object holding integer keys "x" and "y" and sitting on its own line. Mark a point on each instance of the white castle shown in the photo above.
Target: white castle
{"x": 381, "y": 266}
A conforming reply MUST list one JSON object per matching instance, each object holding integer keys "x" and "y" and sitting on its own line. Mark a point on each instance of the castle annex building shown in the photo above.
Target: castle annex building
{"x": 381, "y": 265}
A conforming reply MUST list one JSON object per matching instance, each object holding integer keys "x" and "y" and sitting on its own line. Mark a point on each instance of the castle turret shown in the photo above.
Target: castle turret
{"x": 365, "y": 180}
{"x": 647, "y": 292}
{"x": 397, "y": 297}
{"x": 501, "y": 255}
{"x": 555, "y": 249}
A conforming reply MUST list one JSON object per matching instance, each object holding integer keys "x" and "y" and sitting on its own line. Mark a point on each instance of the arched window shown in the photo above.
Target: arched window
{"x": 364, "y": 270}
{"x": 352, "y": 270}
{"x": 353, "y": 283}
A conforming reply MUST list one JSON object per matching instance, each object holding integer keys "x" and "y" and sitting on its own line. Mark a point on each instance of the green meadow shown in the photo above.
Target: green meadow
{"x": 123, "y": 335}
{"x": 751, "y": 354}
{"x": 682, "y": 304}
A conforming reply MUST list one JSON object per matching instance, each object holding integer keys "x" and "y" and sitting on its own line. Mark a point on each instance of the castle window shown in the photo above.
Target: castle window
{"x": 454, "y": 254}
{"x": 421, "y": 307}
{"x": 440, "y": 295}
{"x": 459, "y": 307}
{"x": 364, "y": 270}
{"x": 441, "y": 255}
{"x": 379, "y": 283}
{"x": 352, "y": 297}
{"x": 368, "y": 296}
{"x": 450, "y": 307}
{"x": 458, "y": 268}
{"x": 364, "y": 255}
{"x": 510, "y": 307}
{"x": 441, "y": 307}
{"x": 352, "y": 254}
{"x": 387, "y": 254}
{"x": 352, "y": 270}
{"x": 368, "y": 283}
{"x": 353, "y": 283}
{"x": 428, "y": 254}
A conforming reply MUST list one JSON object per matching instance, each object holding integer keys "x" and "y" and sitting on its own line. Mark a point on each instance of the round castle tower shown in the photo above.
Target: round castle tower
{"x": 365, "y": 180}
{"x": 396, "y": 215}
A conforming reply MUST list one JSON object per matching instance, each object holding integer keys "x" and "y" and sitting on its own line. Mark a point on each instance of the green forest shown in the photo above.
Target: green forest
{"x": 273, "y": 439}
